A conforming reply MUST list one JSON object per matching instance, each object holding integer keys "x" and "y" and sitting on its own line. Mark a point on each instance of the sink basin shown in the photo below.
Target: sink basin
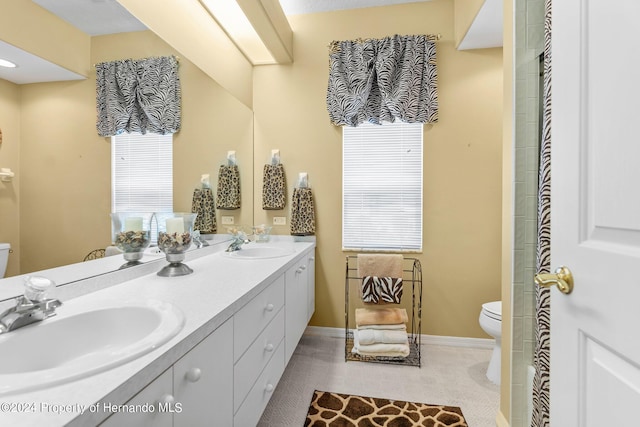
{"x": 259, "y": 252}
{"x": 81, "y": 341}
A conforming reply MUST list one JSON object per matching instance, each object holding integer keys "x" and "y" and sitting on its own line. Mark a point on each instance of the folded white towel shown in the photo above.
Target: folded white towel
{"x": 382, "y": 336}
{"x": 385, "y": 350}
{"x": 397, "y": 327}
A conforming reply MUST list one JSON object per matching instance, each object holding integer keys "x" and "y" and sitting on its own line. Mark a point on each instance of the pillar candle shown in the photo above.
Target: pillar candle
{"x": 175, "y": 225}
{"x": 133, "y": 223}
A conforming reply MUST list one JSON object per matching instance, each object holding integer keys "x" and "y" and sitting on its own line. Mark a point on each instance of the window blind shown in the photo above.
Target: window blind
{"x": 142, "y": 173}
{"x": 382, "y": 187}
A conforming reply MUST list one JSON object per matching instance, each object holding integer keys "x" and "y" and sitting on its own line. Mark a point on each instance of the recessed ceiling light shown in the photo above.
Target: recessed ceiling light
{"x": 8, "y": 64}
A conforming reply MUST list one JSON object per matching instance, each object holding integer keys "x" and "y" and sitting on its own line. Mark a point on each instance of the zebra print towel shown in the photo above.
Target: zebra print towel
{"x": 378, "y": 290}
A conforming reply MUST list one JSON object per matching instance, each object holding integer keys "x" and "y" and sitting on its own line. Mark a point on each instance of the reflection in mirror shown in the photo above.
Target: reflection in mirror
{"x": 57, "y": 209}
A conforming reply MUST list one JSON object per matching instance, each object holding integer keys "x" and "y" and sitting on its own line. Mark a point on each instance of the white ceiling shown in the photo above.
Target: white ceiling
{"x": 99, "y": 17}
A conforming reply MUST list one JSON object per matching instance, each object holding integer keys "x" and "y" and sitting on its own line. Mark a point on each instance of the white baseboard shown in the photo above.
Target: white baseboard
{"x": 484, "y": 343}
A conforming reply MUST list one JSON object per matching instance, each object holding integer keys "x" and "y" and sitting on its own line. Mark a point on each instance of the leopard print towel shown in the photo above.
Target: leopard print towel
{"x": 303, "y": 215}
{"x": 204, "y": 205}
{"x": 228, "y": 187}
{"x": 273, "y": 187}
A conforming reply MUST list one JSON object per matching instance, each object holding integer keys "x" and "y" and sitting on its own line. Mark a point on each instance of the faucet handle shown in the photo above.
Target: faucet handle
{"x": 37, "y": 287}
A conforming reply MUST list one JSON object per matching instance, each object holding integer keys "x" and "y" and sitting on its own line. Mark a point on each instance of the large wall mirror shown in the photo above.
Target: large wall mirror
{"x": 57, "y": 208}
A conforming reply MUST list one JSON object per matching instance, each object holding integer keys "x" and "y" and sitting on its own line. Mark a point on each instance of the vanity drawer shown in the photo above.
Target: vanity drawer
{"x": 257, "y": 399}
{"x": 251, "y": 319}
{"x": 248, "y": 368}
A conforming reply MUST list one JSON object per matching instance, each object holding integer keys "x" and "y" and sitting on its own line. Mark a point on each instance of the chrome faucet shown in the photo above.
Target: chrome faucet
{"x": 26, "y": 312}
{"x": 238, "y": 240}
{"x": 31, "y": 307}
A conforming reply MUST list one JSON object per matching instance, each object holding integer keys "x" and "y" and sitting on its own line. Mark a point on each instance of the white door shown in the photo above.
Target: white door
{"x": 595, "y": 341}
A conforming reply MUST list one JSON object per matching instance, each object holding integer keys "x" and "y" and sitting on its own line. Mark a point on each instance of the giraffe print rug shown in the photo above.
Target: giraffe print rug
{"x": 344, "y": 410}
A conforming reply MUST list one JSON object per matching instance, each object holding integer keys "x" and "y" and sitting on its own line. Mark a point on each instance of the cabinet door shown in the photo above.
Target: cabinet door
{"x": 295, "y": 306}
{"x": 203, "y": 381}
{"x": 311, "y": 285}
{"x": 160, "y": 390}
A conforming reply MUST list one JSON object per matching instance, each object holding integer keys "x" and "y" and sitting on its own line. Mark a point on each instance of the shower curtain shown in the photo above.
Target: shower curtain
{"x": 541, "y": 360}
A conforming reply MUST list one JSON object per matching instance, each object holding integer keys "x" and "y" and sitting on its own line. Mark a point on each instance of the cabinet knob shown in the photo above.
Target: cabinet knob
{"x": 268, "y": 347}
{"x": 269, "y": 388}
{"x": 166, "y": 399}
{"x": 311, "y": 259}
{"x": 193, "y": 374}
{"x": 269, "y": 307}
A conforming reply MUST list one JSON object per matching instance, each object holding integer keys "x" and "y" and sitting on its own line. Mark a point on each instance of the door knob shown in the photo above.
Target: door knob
{"x": 562, "y": 278}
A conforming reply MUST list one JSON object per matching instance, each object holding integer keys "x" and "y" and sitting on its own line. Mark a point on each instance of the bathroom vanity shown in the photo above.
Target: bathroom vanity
{"x": 243, "y": 317}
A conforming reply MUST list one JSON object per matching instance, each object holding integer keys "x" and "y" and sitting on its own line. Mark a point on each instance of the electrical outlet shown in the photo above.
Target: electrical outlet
{"x": 279, "y": 220}
{"x": 227, "y": 220}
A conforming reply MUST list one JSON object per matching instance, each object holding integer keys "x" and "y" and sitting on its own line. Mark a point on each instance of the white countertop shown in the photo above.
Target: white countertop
{"x": 217, "y": 288}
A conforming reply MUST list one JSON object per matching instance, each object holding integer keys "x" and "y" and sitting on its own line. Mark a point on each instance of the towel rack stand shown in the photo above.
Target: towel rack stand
{"x": 412, "y": 302}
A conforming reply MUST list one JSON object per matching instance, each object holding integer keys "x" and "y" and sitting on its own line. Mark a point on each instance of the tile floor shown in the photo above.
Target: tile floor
{"x": 448, "y": 376}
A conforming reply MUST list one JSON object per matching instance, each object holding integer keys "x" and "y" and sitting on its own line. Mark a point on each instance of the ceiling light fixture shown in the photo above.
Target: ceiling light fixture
{"x": 8, "y": 64}
{"x": 236, "y": 24}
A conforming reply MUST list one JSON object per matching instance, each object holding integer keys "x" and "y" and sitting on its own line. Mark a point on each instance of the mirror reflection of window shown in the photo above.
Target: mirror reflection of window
{"x": 142, "y": 174}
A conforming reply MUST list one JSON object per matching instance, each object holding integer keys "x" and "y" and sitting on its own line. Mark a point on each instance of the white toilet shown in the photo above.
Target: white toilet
{"x": 4, "y": 257}
{"x": 491, "y": 323}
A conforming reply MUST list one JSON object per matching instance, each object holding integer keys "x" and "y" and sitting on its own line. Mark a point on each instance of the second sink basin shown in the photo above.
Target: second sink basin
{"x": 83, "y": 340}
{"x": 259, "y": 252}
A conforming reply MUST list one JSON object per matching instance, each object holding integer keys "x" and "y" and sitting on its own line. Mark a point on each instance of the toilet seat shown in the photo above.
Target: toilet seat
{"x": 493, "y": 310}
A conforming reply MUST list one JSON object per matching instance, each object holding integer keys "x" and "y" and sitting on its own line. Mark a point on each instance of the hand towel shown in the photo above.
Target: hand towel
{"x": 203, "y": 204}
{"x": 303, "y": 216}
{"x": 380, "y": 265}
{"x": 384, "y": 350}
{"x": 228, "y": 187}
{"x": 273, "y": 187}
{"x": 382, "y": 336}
{"x": 375, "y": 290}
{"x": 380, "y": 316}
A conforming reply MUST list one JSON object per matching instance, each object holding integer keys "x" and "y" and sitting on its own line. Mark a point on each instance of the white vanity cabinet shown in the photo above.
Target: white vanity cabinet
{"x": 299, "y": 300}
{"x": 228, "y": 378}
{"x": 195, "y": 391}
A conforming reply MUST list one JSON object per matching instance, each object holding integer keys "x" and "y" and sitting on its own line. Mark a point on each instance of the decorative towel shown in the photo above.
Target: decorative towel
{"x": 303, "y": 216}
{"x": 204, "y": 205}
{"x": 380, "y": 265}
{"x": 382, "y": 336}
{"x": 273, "y": 187}
{"x": 380, "y": 316}
{"x": 384, "y": 350}
{"x": 377, "y": 290}
{"x": 228, "y": 187}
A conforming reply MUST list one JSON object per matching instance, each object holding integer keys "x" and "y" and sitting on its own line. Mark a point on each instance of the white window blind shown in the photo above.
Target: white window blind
{"x": 382, "y": 187}
{"x": 142, "y": 173}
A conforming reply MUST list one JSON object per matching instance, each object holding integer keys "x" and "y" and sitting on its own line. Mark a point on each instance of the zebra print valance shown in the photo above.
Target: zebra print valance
{"x": 138, "y": 96}
{"x": 377, "y": 80}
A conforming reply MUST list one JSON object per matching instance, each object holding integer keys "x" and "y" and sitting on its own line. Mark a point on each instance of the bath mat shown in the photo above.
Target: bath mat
{"x": 345, "y": 410}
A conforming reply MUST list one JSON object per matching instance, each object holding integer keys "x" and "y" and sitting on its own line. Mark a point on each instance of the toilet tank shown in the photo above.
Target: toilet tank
{"x": 4, "y": 257}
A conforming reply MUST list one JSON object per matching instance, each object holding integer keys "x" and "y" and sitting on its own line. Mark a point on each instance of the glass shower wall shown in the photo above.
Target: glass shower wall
{"x": 529, "y": 45}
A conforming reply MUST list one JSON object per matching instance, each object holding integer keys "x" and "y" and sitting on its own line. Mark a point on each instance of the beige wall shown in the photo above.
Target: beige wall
{"x": 465, "y": 13}
{"x": 26, "y": 25}
{"x": 65, "y": 188}
{"x": 10, "y": 158}
{"x": 462, "y": 160}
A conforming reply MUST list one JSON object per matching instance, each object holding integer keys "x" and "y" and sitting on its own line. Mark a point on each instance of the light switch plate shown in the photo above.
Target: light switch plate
{"x": 279, "y": 220}
{"x": 227, "y": 220}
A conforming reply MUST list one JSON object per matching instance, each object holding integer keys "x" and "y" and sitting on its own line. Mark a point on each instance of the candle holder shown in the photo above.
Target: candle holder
{"x": 131, "y": 234}
{"x": 175, "y": 231}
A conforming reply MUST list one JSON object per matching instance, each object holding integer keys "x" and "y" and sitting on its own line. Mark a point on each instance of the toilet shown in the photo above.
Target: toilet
{"x": 491, "y": 323}
{"x": 4, "y": 257}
